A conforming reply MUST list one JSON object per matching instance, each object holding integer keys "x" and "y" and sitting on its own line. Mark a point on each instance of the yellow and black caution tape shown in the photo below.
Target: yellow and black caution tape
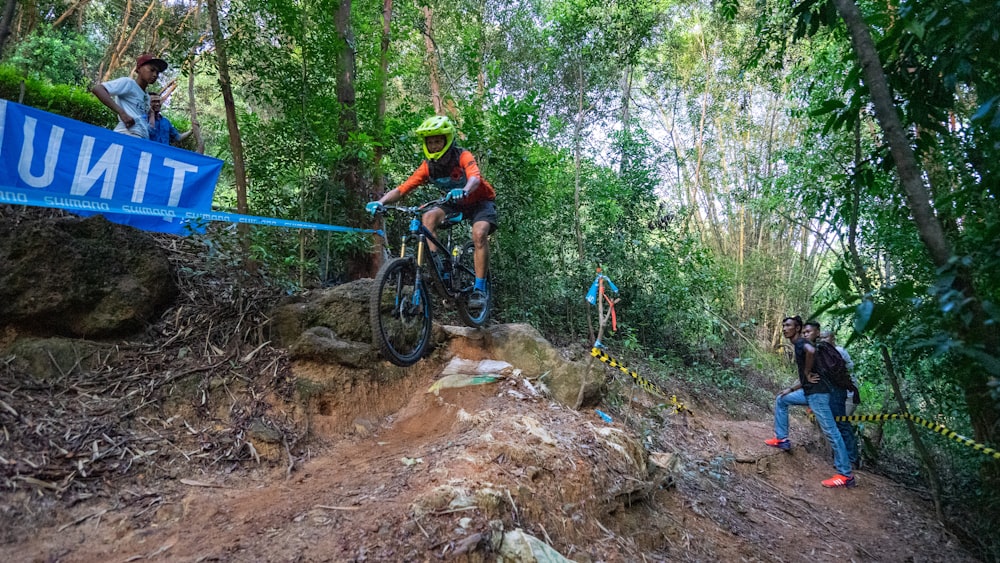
{"x": 641, "y": 381}
{"x": 933, "y": 426}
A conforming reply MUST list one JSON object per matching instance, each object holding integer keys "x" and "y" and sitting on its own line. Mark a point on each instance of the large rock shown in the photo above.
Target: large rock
{"x": 342, "y": 309}
{"x": 331, "y": 326}
{"x": 524, "y": 347}
{"x": 80, "y": 277}
{"x": 320, "y": 344}
{"x": 573, "y": 384}
{"x": 51, "y": 358}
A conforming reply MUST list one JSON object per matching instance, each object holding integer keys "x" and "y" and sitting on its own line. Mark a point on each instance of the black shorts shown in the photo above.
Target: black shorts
{"x": 485, "y": 210}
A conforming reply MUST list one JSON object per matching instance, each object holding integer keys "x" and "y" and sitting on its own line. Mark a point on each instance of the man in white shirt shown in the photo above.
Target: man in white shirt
{"x": 127, "y": 96}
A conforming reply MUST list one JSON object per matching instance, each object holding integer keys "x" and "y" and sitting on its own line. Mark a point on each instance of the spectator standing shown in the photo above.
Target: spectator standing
{"x": 127, "y": 97}
{"x": 810, "y": 390}
{"x": 161, "y": 130}
{"x": 842, "y": 402}
{"x": 829, "y": 337}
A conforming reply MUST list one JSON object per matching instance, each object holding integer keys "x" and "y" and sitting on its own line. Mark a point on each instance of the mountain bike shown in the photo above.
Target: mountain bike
{"x": 401, "y": 303}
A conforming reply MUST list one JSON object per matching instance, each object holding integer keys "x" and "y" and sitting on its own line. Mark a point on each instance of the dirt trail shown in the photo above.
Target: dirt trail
{"x": 440, "y": 479}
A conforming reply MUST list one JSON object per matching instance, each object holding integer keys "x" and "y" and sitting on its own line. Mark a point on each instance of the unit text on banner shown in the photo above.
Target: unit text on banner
{"x": 82, "y": 166}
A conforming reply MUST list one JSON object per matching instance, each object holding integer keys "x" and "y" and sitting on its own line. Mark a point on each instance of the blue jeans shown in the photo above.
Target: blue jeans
{"x": 820, "y": 405}
{"x": 838, "y": 406}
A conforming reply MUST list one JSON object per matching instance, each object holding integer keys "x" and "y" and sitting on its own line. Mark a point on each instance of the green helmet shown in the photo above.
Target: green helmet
{"x": 436, "y": 125}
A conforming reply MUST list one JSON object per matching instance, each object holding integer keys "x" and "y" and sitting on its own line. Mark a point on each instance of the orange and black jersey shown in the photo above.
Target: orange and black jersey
{"x": 465, "y": 167}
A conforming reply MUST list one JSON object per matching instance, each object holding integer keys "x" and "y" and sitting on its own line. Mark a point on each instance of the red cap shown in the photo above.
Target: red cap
{"x": 147, "y": 59}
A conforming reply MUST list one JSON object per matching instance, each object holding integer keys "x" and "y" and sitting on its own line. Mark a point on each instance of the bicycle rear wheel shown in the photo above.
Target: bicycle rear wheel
{"x": 400, "y": 311}
{"x": 473, "y": 313}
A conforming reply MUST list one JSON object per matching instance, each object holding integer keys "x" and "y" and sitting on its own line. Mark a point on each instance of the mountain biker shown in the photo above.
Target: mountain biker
{"x": 454, "y": 170}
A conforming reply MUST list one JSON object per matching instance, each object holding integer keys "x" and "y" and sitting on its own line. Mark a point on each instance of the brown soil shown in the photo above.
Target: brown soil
{"x": 425, "y": 477}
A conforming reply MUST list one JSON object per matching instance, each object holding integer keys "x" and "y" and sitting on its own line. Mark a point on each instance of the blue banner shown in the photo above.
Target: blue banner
{"x": 90, "y": 170}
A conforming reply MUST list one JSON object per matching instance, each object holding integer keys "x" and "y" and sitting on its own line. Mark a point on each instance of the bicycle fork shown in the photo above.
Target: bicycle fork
{"x": 409, "y": 306}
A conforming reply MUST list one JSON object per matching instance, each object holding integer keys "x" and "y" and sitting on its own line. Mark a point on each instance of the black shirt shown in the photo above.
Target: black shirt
{"x": 800, "y": 361}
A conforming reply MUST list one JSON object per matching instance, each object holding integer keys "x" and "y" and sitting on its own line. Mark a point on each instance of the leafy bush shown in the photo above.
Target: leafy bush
{"x": 60, "y": 56}
{"x": 73, "y": 102}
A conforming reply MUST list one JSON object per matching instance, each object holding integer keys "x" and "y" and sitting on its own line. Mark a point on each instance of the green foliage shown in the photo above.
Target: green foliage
{"x": 728, "y": 9}
{"x": 60, "y": 56}
{"x": 69, "y": 101}
{"x": 940, "y": 334}
{"x": 936, "y": 52}
{"x": 723, "y": 201}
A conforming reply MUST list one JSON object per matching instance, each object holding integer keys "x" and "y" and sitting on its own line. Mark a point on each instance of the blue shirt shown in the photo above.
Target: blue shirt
{"x": 164, "y": 131}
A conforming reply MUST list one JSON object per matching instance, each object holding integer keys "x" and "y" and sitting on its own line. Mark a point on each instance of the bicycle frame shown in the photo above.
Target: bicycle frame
{"x": 422, "y": 235}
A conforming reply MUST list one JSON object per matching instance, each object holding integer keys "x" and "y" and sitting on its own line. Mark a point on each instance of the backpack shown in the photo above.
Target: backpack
{"x": 830, "y": 364}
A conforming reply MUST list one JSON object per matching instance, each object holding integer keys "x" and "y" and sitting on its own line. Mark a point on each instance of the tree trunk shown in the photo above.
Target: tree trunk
{"x": 917, "y": 198}
{"x": 235, "y": 142}
{"x": 359, "y": 265}
{"x": 199, "y": 141}
{"x": 305, "y": 235}
{"x": 345, "y": 71}
{"x": 984, "y": 413}
{"x": 432, "y": 62}
{"x": 27, "y": 19}
{"x": 383, "y": 76}
{"x": 128, "y": 34}
{"x": 380, "y": 138}
{"x": 5, "y": 22}
{"x": 111, "y": 56}
{"x": 77, "y": 6}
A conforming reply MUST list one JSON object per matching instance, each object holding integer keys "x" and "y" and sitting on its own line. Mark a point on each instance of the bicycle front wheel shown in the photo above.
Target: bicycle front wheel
{"x": 400, "y": 313}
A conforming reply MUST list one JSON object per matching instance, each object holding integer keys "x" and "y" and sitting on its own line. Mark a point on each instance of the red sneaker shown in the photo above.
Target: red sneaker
{"x": 840, "y": 481}
{"x": 782, "y": 444}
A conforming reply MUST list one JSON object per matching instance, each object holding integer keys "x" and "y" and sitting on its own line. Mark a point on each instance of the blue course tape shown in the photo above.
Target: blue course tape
{"x": 18, "y": 196}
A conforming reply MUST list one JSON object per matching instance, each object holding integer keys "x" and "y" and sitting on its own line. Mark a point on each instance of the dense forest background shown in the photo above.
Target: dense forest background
{"x": 727, "y": 164}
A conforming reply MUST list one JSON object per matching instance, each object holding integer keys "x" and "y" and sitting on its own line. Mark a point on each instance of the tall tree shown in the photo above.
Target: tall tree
{"x": 430, "y": 46}
{"x": 225, "y": 84}
{"x": 917, "y": 197}
{"x": 116, "y": 56}
{"x": 76, "y": 6}
{"x": 199, "y": 140}
{"x": 984, "y": 412}
{"x": 381, "y": 84}
{"x": 360, "y": 265}
{"x": 5, "y": 22}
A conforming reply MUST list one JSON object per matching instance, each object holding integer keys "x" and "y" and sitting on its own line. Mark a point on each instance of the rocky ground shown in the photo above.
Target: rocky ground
{"x": 472, "y": 472}
{"x": 217, "y": 435}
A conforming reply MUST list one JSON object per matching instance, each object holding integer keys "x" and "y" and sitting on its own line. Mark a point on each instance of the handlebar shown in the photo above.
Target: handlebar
{"x": 414, "y": 209}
